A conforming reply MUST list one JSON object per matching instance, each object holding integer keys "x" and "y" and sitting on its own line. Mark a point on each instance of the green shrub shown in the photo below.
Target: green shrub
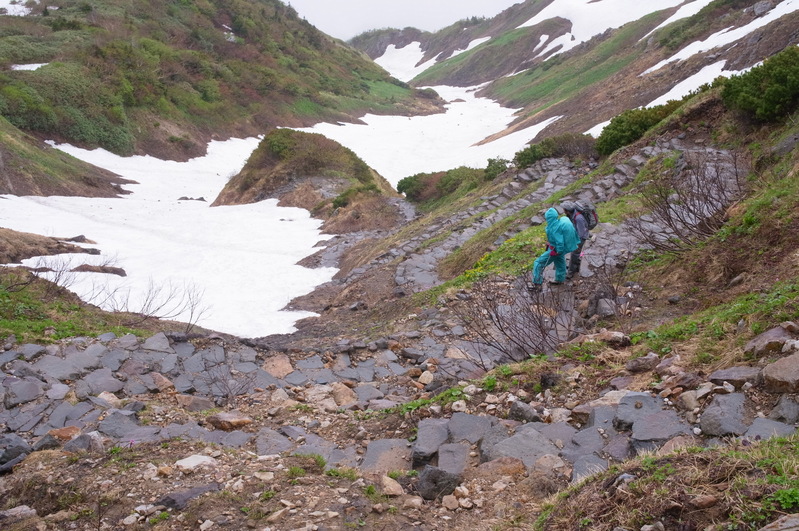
{"x": 631, "y": 125}
{"x": 24, "y": 107}
{"x": 570, "y": 145}
{"x": 411, "y": 186}
{"x": 769, "y": 91}
{"x": 427, "y": 93}
{"x": 495, "y": 167}
{"x": 344, "y": 198}
{"x": 425, "y": 187}
{"x": 533, "y": 153}
{"x": 461, "y": 178}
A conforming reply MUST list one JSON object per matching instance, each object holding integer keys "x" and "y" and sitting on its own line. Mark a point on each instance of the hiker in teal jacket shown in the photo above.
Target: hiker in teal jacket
{"x": 561, "y": 240}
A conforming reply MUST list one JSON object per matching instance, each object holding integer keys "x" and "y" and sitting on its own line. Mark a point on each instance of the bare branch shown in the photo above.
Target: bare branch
{"x": 688, "y": 203}
{"x": 511, "y": 322}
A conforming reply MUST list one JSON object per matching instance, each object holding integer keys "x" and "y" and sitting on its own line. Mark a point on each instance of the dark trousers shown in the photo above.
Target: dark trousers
{"x": 575, "y": 260}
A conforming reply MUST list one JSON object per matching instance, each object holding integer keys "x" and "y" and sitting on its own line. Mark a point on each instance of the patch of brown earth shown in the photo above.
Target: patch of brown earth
{"x": 17, "y": 246}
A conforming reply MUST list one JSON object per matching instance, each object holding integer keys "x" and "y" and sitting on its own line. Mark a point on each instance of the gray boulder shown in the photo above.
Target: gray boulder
{"x": 737, "y": 376}
{"x": 768, "y": 342}
{"x": 435, "y": 483}
{"x": 782, "y": 376}
{"x": 431, "y": 434}
{"x": 724, "y": 416}
{"x": 12, "y": 446}
{"x": 786, "y": 410}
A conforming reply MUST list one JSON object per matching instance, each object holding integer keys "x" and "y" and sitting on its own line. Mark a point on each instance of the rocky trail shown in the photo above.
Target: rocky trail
{"x": 419, "y": 257}
{"x": 219, "y": 416}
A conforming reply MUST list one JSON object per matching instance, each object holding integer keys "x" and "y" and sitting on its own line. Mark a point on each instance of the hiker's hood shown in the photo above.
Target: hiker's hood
{"x": 551, "y": 215}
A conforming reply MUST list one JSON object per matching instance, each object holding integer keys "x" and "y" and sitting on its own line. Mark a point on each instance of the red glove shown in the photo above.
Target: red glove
{"x": 553, "y": 253}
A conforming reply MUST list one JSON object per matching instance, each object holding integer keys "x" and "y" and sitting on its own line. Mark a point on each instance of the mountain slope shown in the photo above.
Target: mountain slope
{"x": 30, "y": 167}
{"x": 586, "y": 62}
{"x": 164, "y": 79}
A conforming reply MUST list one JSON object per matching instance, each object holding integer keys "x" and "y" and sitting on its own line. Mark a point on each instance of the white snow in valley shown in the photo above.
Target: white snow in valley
{"x": 399, "y": 147}
{"x": 403, "y": 63}
{"x": 14, "y": 7}
{"x": 729, "y": 35}
{"x": 241, "y": 258}
{"x": 589, "y": 17}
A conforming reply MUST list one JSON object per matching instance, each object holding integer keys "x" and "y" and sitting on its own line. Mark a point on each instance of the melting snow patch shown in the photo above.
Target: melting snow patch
{"x": 589, "y": 17}
{"x": 684, "y": 87}
{"x": 684, "y": 12}
{"x": 541, "y": 42}
{"x": 729, "y": 35}
{"x": 474, "y": 44}
{"x": 32, "y": 66}
{"x": 597, "y": 129}
{"x": 403, "y": 63}
{"x": 14, "y": 8}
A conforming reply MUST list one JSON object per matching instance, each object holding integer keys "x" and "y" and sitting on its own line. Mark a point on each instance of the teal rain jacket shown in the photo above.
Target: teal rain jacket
{"x": 561, "y": 233}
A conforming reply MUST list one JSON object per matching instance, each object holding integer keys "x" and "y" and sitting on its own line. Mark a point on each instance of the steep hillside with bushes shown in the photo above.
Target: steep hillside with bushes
{"x": 602, "y": 76}
{"x": 28, "y": 166}
{"x": 164, "y": 79}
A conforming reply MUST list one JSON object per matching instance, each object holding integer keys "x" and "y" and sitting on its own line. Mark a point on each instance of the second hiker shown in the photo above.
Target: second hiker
{"x": 581, "y": 224}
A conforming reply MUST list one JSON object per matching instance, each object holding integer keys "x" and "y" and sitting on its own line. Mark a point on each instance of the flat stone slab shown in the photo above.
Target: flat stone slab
{"x": 270, "y": 442}
{"x": 634, "y": 406}
{"x": 386, "y": 455}
{"x": 527, "y": 446}
{"x": 159, "y": 342}
{"x": 430, "y": 435}
{"x": 737, "y": 376}
{"x": 23, "y": 391}
{"x": 57, "y": 368}
{"x": 764, "y": 428}
{"x": 470, "y": 428}
{"x": 180, "y": 499}
{"x": 453, "y": 457}
{"x": 654, "y": 430}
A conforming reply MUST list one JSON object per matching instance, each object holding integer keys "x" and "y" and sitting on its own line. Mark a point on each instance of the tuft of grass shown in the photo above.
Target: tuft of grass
{"x": 346, "y": 473}
{"x": 295, "y": 472}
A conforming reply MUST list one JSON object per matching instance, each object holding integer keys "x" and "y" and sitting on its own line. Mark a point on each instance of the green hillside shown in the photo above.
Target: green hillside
{"x": 164, "y": 78}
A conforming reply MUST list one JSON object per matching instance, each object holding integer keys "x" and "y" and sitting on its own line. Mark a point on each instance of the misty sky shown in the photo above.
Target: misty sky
{"x": 345, "y": 19}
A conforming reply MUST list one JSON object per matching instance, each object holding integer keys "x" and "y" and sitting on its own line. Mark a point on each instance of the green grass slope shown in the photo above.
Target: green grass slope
{"x": 164, "y": 78}
{"x": 30, "y": 167}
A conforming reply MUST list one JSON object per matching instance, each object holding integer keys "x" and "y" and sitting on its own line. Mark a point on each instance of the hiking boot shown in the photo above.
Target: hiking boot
{"x": 535, "y": 288}
{"x": 555, "y": 283}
